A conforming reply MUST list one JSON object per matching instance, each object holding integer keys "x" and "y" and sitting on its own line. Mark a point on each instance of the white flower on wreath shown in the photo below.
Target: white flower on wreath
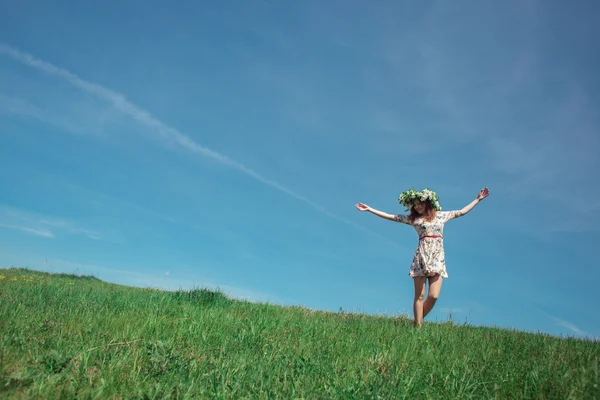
{"x": 408, "y": 197}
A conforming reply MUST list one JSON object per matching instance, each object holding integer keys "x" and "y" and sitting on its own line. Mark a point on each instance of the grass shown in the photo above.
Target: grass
{"x": 67, "y": 336}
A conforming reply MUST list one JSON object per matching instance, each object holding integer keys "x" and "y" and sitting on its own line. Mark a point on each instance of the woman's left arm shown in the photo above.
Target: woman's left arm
{"x": 483, "y": 193}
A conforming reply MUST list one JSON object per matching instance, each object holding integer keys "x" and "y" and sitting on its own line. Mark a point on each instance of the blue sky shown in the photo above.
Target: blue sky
{"x": 225, "y": 145}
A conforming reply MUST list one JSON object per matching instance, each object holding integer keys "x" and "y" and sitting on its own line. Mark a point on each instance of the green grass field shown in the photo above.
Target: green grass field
{"x": 64, "y": 336}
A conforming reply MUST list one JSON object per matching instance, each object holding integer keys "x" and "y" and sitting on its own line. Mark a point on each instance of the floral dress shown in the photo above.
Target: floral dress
{"x": 429, "y": 258}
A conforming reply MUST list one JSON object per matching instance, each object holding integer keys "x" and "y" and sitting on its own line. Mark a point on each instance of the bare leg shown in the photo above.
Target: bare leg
{"x": 435, "y": 285}
{"x": 420, "y": 282}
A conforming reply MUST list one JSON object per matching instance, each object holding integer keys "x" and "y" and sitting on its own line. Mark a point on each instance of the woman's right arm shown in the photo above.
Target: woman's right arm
{"x": 381, "y": 214}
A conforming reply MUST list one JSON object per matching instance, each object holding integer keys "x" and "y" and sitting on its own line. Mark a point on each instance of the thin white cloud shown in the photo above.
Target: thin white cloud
{"x": 553, "y": 147}
{"x": 17, "y": 219}
{"x": 38, "y": 232}
{"x": 70, "y": 227}
{"x": 565, "y": 324}
{"x": 20, "y": 107}
{"x": 570, "y": 326}
{"x": 77, "y": 121}
{"x": 162, "y": 130}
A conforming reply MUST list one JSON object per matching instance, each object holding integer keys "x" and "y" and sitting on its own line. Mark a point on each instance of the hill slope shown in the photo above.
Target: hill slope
{"x": 64, "y": 335}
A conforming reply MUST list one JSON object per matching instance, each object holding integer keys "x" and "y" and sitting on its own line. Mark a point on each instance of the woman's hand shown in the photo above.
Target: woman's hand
{"x": 362, "y": 207}
{"x": 381, "y": 214}
{"x": 483, "y": 193}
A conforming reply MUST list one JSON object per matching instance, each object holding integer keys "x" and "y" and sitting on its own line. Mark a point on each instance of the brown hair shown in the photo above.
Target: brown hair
{"x": 428, "y": 215}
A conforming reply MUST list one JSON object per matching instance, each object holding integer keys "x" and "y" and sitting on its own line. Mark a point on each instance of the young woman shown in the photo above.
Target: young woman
{"x": 428, "y": 263}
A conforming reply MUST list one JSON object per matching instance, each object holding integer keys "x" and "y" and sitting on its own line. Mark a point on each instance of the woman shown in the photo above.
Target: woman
{"x": 428, "y": 263}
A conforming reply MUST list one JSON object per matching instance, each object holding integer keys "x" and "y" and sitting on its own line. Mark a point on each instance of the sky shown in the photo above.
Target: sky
{"x": 225, "y": 145}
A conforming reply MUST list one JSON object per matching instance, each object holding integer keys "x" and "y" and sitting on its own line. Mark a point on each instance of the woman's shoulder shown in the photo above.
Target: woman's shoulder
{"x": 443, "y": 214}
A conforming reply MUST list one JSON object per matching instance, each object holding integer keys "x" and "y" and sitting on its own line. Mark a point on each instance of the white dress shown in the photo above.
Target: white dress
{"x": 429, "y": 258}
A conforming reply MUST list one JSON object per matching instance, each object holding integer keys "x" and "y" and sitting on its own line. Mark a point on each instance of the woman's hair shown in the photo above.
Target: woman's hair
{"x": 428, "y": 214}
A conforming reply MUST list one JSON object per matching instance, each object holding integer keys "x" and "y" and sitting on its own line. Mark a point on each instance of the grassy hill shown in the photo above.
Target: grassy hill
{"x": 65, "y": 336}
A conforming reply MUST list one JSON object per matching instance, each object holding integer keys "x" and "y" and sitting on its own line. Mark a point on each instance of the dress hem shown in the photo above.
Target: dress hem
{"x": 443, "y": 275}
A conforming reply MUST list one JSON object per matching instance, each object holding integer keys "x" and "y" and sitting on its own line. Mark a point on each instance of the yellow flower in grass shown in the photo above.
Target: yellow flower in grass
{"x": 13, "y": 279}
{"x": 2, "y": 277}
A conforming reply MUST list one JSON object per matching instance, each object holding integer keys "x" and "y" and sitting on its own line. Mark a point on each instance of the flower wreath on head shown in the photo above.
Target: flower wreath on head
{"x": 407, "y": 198}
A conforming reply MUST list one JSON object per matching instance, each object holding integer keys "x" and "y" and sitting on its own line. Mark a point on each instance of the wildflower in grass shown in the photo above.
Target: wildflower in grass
{"x": 2, "y": 277}
{"x": 429, "y": 261}
{"x": 13, "y": 279}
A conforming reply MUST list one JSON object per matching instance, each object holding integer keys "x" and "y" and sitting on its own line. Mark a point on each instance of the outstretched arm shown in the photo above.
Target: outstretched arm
{"x": 381, "y": 214}
{"x": 483, "y": 193}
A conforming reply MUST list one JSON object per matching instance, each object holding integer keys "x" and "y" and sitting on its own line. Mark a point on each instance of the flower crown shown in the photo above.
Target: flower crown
{"x": 407, "y": 198}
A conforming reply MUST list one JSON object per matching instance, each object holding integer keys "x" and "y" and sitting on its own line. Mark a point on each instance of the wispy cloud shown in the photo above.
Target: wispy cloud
{"x": 22, "y": 108}
{"x": 38, "y": 232}
{"x": 533, "y": 137}
{"x": 70, "y": 227}
{"x": 40, "y": 225}
{"x": 570, "y": 326}
{"x": 565, "y": 324}
{"x": 161, "y": 130}
{"x": 560, "y": 154}
{"x": 78, "y": 118}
